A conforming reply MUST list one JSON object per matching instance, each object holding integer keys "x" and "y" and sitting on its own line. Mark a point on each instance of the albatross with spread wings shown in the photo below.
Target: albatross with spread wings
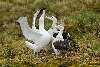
{"x": 40, "y": 36}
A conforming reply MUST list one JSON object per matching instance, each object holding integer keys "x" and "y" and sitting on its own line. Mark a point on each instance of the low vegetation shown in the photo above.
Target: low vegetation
{"x": 81, "y": 19}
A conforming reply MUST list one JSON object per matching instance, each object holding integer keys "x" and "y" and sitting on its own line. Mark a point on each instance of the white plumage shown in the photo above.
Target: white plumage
{"x": 34, "y": 19}
{"x": 40, "y": 37}
{"x": 61, "y": 40}
{"x": 54, "y": 29}
{"x": 27, "y": 31}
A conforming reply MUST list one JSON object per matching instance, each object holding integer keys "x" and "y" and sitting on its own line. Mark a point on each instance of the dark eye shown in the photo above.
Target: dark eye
{"x": 52, "y": 17}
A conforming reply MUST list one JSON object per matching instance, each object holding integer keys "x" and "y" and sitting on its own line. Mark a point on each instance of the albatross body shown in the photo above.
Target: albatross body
{"x": 40, "y": 36}
{"x": 60, "y": 38}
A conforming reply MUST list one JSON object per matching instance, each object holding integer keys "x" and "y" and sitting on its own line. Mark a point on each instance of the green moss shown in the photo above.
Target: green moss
{"x": 80, "y": 20}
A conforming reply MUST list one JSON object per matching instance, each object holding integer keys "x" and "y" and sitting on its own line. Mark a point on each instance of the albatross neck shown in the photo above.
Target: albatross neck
{"x": 54, "y": 23}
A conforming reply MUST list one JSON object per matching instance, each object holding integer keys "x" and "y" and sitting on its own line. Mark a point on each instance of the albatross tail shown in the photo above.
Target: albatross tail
{"x": 30, "y": 45}
{"x": 33, "y": 47}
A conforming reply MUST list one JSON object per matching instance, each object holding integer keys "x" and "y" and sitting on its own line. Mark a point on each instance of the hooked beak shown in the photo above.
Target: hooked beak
{"x": 48, "y": 18}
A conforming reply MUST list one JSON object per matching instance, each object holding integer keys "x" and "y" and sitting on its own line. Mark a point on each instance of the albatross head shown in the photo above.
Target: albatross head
{"x": 52, "y": 18}
{"x": 22, "y": 20}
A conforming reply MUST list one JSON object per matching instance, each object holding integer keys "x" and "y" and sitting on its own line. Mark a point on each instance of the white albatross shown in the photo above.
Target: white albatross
{"x": 61, "y": 38}
{"x": 40, "y": 37}
{"x": 54, "y": 29}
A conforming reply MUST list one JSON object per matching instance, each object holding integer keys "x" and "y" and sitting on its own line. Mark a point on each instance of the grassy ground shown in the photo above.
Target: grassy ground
{"x": 81, "y": 19}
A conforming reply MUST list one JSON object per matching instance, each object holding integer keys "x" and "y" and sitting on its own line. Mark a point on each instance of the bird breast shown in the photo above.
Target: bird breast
{"x": 44, "y": 39}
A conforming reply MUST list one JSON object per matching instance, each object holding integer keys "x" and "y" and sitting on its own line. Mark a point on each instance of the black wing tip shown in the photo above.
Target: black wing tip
{"x": 42, "y": 9}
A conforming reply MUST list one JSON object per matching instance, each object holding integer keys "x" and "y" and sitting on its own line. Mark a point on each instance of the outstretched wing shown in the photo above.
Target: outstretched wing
{"x": 27, "y": 31}
{"x": 32, "y": 35}
{"x": 34, "y": 19}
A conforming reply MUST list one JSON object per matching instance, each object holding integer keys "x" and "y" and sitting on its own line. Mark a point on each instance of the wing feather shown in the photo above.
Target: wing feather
{"x": 29, "y": 34}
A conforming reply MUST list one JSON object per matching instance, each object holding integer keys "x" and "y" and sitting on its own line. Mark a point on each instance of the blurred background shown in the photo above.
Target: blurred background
{"x": 81, "y": 19}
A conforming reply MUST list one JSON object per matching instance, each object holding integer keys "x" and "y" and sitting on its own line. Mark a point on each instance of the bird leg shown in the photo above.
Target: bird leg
{"x": 36, "y": 55}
